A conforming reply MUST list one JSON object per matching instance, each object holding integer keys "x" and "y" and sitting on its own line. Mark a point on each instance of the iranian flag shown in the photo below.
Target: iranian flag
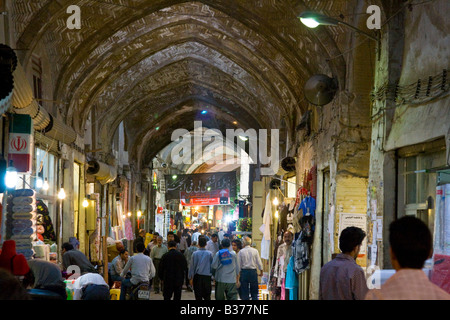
{"x": 21, "y": 142}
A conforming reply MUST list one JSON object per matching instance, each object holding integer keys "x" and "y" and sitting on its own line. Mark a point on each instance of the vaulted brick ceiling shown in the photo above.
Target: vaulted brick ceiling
{"x": 155, "y": 63}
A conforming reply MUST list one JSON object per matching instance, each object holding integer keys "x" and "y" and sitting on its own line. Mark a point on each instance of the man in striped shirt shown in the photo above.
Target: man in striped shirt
{"x": 410, "y": 245}
{"x": 342, "y": 278}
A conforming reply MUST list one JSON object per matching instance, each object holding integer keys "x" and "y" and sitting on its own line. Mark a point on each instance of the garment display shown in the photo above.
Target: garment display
{"x": 265, "y": 229}
{"x": 308, "y": 205}
{"x": 279, "y": 264}
{"x": 43, "y": 219}
{"x": 291, "y": 280}
{"x": 21, "y": 220}
{"x": 283, "y": 217}
{"x": 301, "y": 254}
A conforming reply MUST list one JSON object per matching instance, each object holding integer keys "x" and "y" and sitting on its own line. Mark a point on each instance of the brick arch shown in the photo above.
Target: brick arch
{"x": 172, "y": 100}
{"x": 249, "y": 19}
{"x": 206, "y": 52}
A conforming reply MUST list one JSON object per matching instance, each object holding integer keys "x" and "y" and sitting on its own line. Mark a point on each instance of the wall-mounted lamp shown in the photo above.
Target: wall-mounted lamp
{"x": 313, "y": 19}
{"x": 85, "y": 203}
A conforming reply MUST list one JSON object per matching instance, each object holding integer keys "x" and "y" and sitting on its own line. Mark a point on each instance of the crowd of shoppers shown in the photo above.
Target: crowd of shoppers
{"x": 230, "y": 266}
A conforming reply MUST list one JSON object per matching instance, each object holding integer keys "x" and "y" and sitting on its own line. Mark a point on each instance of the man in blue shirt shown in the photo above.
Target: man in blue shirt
{"x": 200, "y": 271}
{"x": 226, "y": 272}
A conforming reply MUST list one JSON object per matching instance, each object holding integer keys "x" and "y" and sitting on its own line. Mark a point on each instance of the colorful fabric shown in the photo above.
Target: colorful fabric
{"x": 43, "y": 218}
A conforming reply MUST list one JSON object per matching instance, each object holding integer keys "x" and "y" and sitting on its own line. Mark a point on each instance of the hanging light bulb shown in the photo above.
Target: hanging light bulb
{"x": 124, "y": 216}
{"x": 85, "y": 203}
{"x": 129, "y": 214}
{"x": 11, "y": 176}
{"x": 39, "y": 183}
{"x": 275, "y": 201}
{"x": 61, "y": 194}
{"x": 45, "y": 185}
{"x": 139, "y": 214}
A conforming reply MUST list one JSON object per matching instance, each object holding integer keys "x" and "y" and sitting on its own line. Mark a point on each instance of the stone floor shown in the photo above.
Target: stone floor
{"x": 185, "y": 295}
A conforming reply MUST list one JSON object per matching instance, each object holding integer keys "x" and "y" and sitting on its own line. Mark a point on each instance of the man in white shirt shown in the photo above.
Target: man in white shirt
{"x": 142, "y": 270}
{"x": 195, "y": 235}
{"x": 249, "y": 263}
{"x": 90, "y": 286}
{"x": 213, "y": 244}
{"x": 220, "y": 234}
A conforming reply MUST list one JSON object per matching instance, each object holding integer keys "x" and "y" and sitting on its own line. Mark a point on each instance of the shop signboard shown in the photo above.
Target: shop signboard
{"x": 199, "y": 186}
{"x": 208, "y": 198}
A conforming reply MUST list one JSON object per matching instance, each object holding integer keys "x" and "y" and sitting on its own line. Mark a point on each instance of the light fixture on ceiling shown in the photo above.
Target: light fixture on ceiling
{"x": 313, "y": 19}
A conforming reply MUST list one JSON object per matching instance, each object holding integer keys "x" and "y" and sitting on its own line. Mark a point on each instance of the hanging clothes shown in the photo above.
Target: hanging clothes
{"x": 308, "y": 205}
{"x": 301, "y": 254}
{"x": 279, "y": 265}
{"x": 291, "y": 280}
{"x": 265, "y": 229}
{"x": 283, "y": 217}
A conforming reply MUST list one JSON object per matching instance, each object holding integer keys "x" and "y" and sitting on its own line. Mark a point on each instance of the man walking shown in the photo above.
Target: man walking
{"x": 226, "y": 273}
{"x": 410, "y": 245}
{"x": 200, "y": 271}
{"x": 249, "y": 263}
{"x": 188, "y": 255}
{"x": 171, "y": 272}
{"x": 195, "y": 235}
{"x": 213, "y": 244}
{"x": 342, "y": 278}
{"x": 156, "y": 254}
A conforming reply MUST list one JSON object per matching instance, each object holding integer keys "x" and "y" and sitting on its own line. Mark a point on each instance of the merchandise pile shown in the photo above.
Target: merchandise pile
{"x": 21, "y": 220}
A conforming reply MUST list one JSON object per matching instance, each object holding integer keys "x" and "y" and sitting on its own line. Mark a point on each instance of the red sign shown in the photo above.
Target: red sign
{"x": 18, "y": 144}
{"x": 209, "y": 198}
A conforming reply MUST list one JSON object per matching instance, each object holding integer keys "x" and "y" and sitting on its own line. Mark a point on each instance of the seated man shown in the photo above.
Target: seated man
{"x": 142, "y": 270}
{"x": 118, "y": 264}
{"x": 71, "y": 256}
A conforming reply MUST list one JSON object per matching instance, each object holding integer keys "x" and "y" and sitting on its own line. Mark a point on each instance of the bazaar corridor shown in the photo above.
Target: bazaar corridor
{"x": 224, "y": 150}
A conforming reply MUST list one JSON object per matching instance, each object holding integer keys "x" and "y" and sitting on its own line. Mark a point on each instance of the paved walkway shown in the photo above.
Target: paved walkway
{"x": 185, "y": 295}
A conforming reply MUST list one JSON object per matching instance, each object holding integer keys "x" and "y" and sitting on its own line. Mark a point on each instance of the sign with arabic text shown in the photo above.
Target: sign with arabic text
{"x": 197, "y": 186}
{"x": 209, "y": 198}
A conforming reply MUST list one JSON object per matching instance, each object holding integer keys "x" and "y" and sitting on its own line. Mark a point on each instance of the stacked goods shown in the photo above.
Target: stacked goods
{"x": 21, "y": 220}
